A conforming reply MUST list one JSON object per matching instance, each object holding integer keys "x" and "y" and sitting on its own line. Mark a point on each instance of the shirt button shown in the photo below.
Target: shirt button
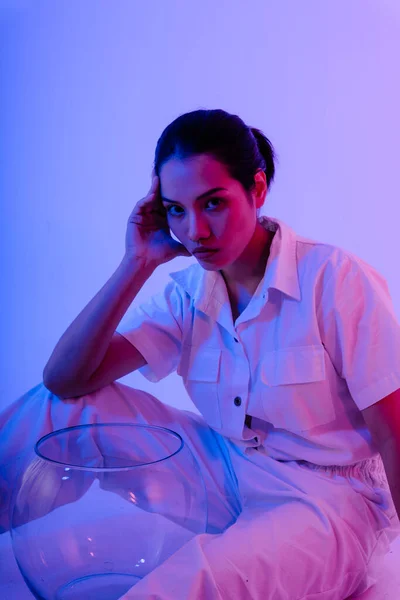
{"x": 238, "y": 401}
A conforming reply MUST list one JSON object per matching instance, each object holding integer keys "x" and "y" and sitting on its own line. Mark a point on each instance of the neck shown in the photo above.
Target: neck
{"x": 248, "y": 270}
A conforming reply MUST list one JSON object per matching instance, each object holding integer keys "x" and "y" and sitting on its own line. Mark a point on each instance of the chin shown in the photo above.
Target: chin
{"x": 210, "y": 267}
{"x": 215, "y": 265}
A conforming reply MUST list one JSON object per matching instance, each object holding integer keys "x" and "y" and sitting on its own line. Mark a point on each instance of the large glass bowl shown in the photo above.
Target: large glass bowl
{"x": 102, "y": 505}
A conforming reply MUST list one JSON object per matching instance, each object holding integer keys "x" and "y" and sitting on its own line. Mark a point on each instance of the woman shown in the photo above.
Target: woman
{"x": 271, "y": 334}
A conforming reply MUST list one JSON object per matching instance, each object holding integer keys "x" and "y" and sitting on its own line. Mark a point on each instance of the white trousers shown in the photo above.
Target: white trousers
{"x": 276, "y": 530}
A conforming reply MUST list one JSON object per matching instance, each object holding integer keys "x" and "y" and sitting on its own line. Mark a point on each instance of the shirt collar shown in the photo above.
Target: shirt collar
{"x": 207, "y": 288}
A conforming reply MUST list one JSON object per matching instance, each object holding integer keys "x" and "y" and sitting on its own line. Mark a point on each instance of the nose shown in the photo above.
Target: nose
{"x": 198, "y": 228}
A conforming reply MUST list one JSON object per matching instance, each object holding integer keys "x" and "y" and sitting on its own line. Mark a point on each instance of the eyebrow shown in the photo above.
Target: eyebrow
{"x": 208, "y": 193}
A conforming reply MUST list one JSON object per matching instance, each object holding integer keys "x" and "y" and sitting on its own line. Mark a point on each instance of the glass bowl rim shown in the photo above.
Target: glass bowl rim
{"x": 72, "y": 467}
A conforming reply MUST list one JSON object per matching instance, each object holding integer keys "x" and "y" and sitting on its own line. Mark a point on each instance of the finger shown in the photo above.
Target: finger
{"x": 147, "y": 201}
{"x": 155, "y": 184}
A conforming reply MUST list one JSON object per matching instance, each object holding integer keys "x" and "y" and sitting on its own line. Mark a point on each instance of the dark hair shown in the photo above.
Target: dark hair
{"x": 243, "y": 150}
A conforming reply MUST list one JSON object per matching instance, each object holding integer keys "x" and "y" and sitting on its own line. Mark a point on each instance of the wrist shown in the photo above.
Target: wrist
{"x": 134, "y": 263}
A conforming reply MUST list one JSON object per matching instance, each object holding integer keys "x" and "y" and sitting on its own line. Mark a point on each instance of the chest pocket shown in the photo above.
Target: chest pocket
{"x": 199, "y": 368}
{"x": 294, "y": 391}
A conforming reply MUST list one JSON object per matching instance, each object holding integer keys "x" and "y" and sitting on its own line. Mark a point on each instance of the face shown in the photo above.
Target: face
{"x": 225, "y": 220}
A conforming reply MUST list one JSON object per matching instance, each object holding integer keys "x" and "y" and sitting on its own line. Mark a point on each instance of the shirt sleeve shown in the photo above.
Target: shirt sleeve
{"x": 155, "y": 329}
{"x": 360, "y": 330}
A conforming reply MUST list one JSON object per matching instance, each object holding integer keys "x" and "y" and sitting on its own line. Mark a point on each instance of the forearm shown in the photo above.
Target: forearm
{"x": 390, "y": 453}
{"x": 82, "y": 347}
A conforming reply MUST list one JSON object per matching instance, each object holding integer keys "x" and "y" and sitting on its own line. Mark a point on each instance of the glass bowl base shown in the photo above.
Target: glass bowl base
{"x": 104, "y": 586}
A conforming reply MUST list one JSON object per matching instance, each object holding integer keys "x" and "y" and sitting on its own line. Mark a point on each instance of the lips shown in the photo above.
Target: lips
{"x": 204, "y": 249}
{"x": 204, "y": 255}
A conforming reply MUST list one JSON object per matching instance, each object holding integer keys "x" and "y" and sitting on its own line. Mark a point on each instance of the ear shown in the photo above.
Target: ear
{"x": 261, "y": 188}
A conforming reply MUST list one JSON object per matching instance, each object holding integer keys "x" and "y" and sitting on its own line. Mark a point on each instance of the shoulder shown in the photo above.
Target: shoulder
{"x": 332, "y": 262}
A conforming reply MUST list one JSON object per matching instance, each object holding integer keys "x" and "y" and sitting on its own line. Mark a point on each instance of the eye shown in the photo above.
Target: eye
{"x": 169, "y": 209}
{"x": 171, "y": 214}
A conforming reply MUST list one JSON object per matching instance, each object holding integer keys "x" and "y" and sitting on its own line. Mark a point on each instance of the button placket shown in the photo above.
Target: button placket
{"x": 237, "y": 393}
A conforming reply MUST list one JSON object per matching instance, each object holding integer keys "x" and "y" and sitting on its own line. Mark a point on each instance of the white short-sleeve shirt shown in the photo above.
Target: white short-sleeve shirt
{"x": 318, "y": 342}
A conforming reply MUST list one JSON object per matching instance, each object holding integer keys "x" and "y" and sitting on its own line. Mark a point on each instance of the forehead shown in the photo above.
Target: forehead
{"x": 184, "y": 180}
{"x": 199, "y": 168}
